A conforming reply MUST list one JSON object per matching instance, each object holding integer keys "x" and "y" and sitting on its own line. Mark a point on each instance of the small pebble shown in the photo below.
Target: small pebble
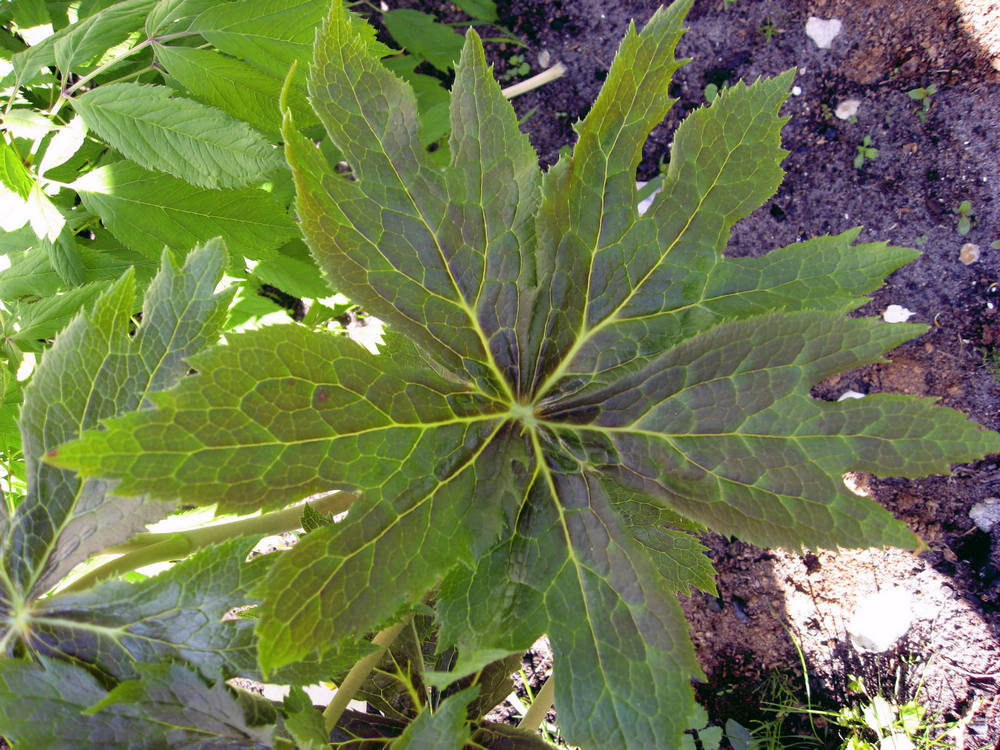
{"x": 847, "y": 109}
{"x": 850, "y": 394}
{"x": 897, "y": 314}
{"x": 880, "y": 620}
{"x": 986, "y": 515}
{"x": 969, "y": 253}
{"x": 822, "y": 31}
{"x": 544, "y": 59}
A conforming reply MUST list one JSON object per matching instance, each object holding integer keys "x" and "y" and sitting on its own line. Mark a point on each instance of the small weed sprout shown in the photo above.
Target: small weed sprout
{"x": 768, "y": 29}
{"x": 517, "y": 67}
{"x": 865, "y": 152}
{"x": 965, "y": 217}
{"x": 922, "y": 94}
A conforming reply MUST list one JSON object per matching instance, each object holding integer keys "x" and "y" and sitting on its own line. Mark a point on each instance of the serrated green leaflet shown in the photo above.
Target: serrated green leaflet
{"x": 233, "y": 86}
{"x": 447, "y": 727}
{"x": 201, "y": 145}
{"x": 570, "y": 389}
{"x": 147, "y": 211}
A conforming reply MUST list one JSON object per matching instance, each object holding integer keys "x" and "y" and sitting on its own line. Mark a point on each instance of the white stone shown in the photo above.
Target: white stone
{"x": 969, "y": 253}
{"x": 897, "y": 314}
{"x": 796, "y": 91}
{"x": 822, "y": 31}
{"x": 850, "y": 394}
{"x": 880, "y": 620}
{"x": 986, "y": 514}
{"x": 897, "y": 741}
{"x": 544, "y": 59}
{"x": 847, "y": 109}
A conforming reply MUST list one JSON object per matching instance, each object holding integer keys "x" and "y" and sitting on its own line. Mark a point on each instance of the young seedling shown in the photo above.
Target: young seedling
{"x": 965, "y": 217}
{"x": 923, "y": 95}
{"x": 517, "y": 67}
{"x": 865, "y": 152}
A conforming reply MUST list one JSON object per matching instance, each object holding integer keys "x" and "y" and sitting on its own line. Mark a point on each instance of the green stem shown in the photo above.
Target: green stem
{"x": 539, "y": 707}
{"x": 359, "y": 672}
{"x": 147, "y": 548}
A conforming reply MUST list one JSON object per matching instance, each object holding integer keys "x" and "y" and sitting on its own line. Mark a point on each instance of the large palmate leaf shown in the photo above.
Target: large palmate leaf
{"x": 570, "y": 389}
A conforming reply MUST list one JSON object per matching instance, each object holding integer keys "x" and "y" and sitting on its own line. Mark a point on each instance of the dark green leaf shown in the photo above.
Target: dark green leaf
{"x": 482, "y": 9}
{"x": 177, "y": 615}
{"x": 41, "y": 705}
{"x": 181, "y": 709}
{"x": 424, "y": 37}
{"x": 446, "y": 728}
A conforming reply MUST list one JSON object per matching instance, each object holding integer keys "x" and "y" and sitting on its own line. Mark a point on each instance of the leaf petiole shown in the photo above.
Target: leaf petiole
{"x": 359, "y": 672}
{"x": 149, "y": 548}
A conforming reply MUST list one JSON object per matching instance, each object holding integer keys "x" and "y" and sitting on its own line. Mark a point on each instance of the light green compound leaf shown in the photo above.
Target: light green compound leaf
{"x": 182, "y": 710}
{"x": 446, "y": 728}
{"x": 96, "y": 368}
{"x": 304, "y": 722}
{"x": 30, "y": 274}
{"x": 201, "y": 145}
{"x": 271, "y": 34}
{"x": 423, "y": 36}
{"x": 64, "y": 144}
{"x": 43, "y": 318}
{"x": 236, "y": 87}
{"x": 173, "y": 16}
{"x": 12, "y": 171}
{"x": 82, "y": 42}
{"x": 64, "y": 257}
{"x": 149, "y": 211}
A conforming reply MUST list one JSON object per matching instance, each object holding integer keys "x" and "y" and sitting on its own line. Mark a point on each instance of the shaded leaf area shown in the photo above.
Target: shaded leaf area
{"x": 571, "y": 390}
{"x": 99, "y": 367}
{"x": 53, "y": 704}
{"x": 365, "y": 731}
{"x": 175, "y": 616}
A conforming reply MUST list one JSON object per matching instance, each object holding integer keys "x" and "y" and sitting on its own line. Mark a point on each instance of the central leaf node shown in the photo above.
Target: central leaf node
{"x": 525, "y": 413}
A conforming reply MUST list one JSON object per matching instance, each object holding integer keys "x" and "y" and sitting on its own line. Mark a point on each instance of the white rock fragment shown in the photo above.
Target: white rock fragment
{"x": 969, "y": 253}
{"x": 897, "y": 314}
{"x": 544, "y": 59}
{"x": 796, "y": 91}
{"x": 847, "y": 109}
{"x": 880, "y": 620}
{"x": 986, "y": 514}
{"x": 850, "y": 394}
{"x": 897, "y": 741}
{"x": 645, "y": 203}
{"x": 822, "y": 31}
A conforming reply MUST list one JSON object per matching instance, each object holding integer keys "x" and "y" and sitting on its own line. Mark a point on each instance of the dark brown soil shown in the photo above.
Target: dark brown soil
{"x": 771, "y": 600}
